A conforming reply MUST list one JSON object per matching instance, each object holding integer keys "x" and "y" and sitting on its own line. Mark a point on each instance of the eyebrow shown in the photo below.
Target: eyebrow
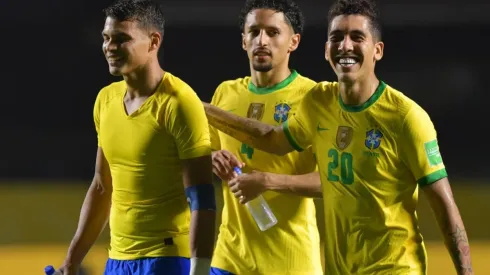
{"x": 257, "y": 26}
{"x": 116, "y": 33}
{"x": 358, "y": 32}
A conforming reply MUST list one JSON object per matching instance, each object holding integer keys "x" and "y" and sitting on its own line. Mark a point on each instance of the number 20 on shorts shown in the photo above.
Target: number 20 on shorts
{"x": 344, "y": 161}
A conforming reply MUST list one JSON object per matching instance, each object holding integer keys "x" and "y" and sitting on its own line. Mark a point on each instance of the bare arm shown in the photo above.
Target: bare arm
{"x": 199, "y": 171}
{"x": 447, "y": 214}
{"x": 307, "y": 185}
{"x": 94, "y": 213}
{"x": 247, "y": 187}
{"x": 259, "y": 135}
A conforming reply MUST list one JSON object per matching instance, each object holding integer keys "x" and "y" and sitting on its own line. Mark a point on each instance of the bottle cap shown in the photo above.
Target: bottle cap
{"x": 49, "y": 270}
{"x": 238, "y": 170}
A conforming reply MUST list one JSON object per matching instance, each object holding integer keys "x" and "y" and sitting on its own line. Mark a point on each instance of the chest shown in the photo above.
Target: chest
{"x": 131, "y": 106}
{"x": 357, "y": 147}
{"x": 272, "y": 110}
{"x": 136, "y": 138}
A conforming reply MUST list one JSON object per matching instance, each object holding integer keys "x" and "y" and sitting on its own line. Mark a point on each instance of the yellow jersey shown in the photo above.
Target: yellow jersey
{"x": 371, "y": 158}
{"x": 292, "y": 245}
{"x": 150, "y": 216}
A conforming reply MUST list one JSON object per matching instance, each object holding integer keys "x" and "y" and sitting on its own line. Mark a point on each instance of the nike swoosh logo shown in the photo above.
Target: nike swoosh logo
{"x": 319, "y": 129}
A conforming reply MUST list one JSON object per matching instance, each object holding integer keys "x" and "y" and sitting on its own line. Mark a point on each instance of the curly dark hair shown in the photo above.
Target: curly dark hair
{"x": 147, "y": 12}
{"x": 290, "y": 9}
{"x": 365, "y": 8}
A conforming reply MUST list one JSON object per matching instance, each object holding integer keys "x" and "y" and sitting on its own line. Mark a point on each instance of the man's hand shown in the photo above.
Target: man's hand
{"x": 223, "y": 164}
{"x": 247, "y": 187}
{"x": 69, "y": 269}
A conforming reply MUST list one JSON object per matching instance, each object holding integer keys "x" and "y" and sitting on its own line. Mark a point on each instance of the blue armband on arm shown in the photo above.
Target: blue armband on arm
{"x": 201, "y": 197}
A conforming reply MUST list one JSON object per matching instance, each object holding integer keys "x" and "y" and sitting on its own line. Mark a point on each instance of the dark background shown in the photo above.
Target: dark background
{"x": 53, "y": 68}
{"x": 52, "y": 65}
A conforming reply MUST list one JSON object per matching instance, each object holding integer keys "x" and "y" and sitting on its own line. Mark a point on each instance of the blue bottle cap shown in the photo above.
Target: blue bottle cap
{"x": 49, "y": 270}
{"x": 238, "y": 170}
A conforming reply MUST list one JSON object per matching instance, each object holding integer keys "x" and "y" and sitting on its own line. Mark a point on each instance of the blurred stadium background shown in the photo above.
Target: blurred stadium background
{"x": 53, "y": 69}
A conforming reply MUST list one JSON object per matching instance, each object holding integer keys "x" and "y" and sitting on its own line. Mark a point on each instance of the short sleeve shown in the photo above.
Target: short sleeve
{"x": 213, "y": 132}
{"x": 299, "y": 128}
{"x": 420, "y": 147}
{"x": 96, "y": 111}
{"x": 187, "y": 123}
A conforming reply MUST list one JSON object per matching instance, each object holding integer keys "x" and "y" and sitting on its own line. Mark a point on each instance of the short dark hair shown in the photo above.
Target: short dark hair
{"x": 148, "y": 13}
{"x": 365, "y": 8}
{"x": 293, "y": 15}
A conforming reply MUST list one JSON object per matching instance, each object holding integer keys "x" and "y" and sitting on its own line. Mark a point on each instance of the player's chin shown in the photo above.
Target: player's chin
{"x": 346, "y": 77}
{"x": 115, "y": 71}
{"x": 262, "y": 66}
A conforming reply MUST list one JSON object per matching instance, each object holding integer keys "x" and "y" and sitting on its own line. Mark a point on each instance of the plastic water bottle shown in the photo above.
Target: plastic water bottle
{"x": 260, "y": 210}
{"x": 49, "y": 270}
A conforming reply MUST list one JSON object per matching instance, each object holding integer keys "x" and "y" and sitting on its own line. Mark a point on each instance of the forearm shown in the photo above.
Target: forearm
{"x": 307, "y": 185}
{"x": 202, "y": 233}
{"x": 456, "y": 240}
{"x": 249, "y": 131}
{"x": 449, "y": 220}
{"x": 93, "y": 218}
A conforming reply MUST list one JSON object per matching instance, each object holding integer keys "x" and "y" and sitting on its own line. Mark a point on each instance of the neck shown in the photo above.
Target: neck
{"x": 144, "y": 81}
{"x": 358, "y": 92}
{"x": 270, "y": 78}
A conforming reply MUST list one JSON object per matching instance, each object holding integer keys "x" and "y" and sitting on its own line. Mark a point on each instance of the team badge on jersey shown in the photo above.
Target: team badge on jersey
{"x": 344, "y": 136}
{"x": 255, "y": 111}
{"x": 281, "y": 112}
{"x": 373, "y": 139}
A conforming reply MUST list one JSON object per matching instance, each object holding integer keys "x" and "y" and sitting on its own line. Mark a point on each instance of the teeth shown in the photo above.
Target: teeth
{"x": 347, "y": 61}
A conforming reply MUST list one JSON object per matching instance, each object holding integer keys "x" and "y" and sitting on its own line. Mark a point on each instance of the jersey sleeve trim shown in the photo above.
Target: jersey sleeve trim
{"x": 294, "y": 144}
{"x": 432, "y": 177}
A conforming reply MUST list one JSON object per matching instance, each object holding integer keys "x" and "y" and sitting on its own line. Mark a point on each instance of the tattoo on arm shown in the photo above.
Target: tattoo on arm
{"x": 244, "y": 129}
{"x": 460, "y": 250}
{"x": 229, "y": 128}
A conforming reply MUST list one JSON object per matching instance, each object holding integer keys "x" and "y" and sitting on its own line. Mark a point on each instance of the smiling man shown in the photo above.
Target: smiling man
{"x": 375, "y": 149}
{"x": 153, "y": 157}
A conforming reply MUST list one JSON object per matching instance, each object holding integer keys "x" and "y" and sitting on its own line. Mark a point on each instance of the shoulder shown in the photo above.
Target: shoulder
{"x": 403, "y": 104}
{"x": 233, "y": 84}
{"x": 174, "y": 90}
{"x": 175, "y": 94}
{"x": 405, "y": 114}
{"x": 305, "y": 82}
{"x": 324, "y": 91}
{"x": 174, "y": 86}
{"x": 111, "y": 91}
{"x": 230, "y": 89}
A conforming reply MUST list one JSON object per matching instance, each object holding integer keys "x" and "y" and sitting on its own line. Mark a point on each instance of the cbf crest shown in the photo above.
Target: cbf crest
{"x": 373, "y": 139}
{"x": 255, "y": 111}
{"x": 344, "y": 137}
{"x": 281, "y": 112}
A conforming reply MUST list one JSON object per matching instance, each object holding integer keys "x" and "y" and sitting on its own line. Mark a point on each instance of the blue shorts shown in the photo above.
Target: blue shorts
{"x": 149, "y": 266}
{"x": 217, "y": 271}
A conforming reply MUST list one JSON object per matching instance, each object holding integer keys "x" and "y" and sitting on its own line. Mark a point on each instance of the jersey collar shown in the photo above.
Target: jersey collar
{"x": 379, "y": 91}
{"x": 267, "y": 90}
